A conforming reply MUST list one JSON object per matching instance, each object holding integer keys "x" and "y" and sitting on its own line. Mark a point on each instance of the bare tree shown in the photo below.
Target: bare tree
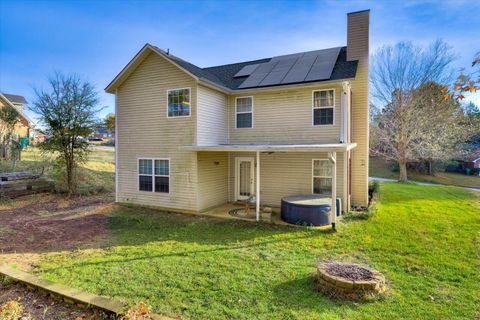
{"x": 67, "y": 113}
{"x": 443, "y": 131}
{"x": 396, "y": 75}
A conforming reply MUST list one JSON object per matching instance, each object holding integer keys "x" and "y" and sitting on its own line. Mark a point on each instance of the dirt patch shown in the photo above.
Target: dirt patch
{"x": 53, "y": 223}
{"x": 33, "y": 304}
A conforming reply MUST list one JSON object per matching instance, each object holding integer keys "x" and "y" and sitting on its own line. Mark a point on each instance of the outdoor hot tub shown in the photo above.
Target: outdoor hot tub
{"x": 308, "y": 210}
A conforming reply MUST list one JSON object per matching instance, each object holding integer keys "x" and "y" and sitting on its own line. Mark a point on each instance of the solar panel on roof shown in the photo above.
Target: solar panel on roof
{"x": 300, "y": 69}
{"x": 258, "y": 75}
{"x": 293, "y": 68}
{"x": 278, "y": 72}
{"x": 246, "y": 70}
{"x": 323, "y": 66}
{"x": 253, "y": 80}
{"x": 265, "y": 67}
{"x": 288, "y": 56}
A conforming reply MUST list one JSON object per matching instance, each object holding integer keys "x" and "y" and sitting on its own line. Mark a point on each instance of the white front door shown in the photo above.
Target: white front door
{"x": 244, "y": 178}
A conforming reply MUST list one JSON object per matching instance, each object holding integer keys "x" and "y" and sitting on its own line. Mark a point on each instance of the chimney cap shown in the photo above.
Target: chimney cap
{"x": 361, "y": 11}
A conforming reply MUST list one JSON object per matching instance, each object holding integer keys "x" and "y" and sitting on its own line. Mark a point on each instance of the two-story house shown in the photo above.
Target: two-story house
{"x": 22, "y": 128}
{"x": 190, "y": 139}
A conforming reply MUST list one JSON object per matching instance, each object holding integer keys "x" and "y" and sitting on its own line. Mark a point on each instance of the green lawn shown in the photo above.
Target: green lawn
{"x": 378, "y": 167}
{"x": 426, "y": 240}
{"x": 97, "y": 174}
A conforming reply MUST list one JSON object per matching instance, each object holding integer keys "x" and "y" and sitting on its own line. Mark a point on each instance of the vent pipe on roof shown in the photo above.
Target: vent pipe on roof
{"x": 168, "y": 51}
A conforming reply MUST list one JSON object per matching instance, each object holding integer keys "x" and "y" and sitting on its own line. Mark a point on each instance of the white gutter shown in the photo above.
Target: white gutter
{"x": 330, "y": 147}
{"x": 116, "y": 145}
{"x": 271, "y": 88}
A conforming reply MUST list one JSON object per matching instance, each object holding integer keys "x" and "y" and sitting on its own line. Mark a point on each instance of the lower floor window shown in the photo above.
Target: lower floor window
{"x": 154, "y": 175}
{"x": 322, "y": 177}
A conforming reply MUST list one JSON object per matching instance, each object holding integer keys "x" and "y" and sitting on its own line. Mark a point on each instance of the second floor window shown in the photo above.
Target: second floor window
{"x": 178, "y": 102}
{"x": 323, "y": 107}
{"x": 244, "y": 112}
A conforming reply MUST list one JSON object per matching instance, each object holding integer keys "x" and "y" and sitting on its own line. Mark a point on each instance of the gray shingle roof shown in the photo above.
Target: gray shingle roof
{"x": 13, "y": 98}
{"x": 224, "y": 75}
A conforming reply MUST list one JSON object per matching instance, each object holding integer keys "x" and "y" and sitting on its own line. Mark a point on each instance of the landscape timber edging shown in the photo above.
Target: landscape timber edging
{"x": 69, "y": 295}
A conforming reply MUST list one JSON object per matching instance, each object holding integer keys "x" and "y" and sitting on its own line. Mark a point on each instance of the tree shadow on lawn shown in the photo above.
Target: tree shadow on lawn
{"x": 51, "y": 223}
{"x": 136, "y": 234}
{"x": 134, "y": 226}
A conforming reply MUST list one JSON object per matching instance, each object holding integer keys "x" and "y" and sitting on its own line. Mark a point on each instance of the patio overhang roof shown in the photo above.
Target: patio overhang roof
{"x": 326, "y": 147}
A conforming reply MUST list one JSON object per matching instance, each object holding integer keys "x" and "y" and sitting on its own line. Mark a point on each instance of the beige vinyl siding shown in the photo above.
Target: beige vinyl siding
{"x": 286, "y": 174}
{"x": 212, "y": 179}
{"x": 212, "y": 116}
{"x": 21, "y": 128}
{"x": 145, "y": 131}
{"x": 358, "y": 43}
{"x": 285, "y": 116}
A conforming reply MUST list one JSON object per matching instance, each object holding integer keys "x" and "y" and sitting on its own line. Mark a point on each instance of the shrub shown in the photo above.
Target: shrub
{"x": 452, "y": 166}
{"x": 395, "y": 167}
{"x": 373, "y": 189}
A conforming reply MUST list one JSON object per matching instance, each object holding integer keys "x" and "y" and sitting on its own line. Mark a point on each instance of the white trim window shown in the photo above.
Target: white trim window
{"x": 154, "y": 175}
{"x": 324, "y": 107}
{"x": 178, "y": 102}
{"x": 321, "y": 176}
{"x": 244, "y": 112}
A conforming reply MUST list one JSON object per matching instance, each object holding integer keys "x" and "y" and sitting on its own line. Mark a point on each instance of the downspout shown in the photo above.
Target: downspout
{"x": 116, "y": 145}
{"x": 257, "y": 209}
{"x": 344, "y": 109}
{"x": 333, "y": 159}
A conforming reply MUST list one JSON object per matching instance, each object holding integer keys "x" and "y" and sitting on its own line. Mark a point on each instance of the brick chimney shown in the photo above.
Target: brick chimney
{"x": 358, "y": 26}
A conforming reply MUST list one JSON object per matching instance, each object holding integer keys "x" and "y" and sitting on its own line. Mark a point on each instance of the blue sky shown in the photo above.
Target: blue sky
{"x": 95, "y": 39}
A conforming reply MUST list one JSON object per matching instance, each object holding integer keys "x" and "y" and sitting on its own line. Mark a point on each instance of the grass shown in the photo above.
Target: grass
{"x": 425, "y": 239}
{"x": 97, "y": 174}
{"x": 378, "y": 167}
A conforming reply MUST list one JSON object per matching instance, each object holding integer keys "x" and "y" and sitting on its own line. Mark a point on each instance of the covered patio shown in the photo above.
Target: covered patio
{"x": 328, "y": 152}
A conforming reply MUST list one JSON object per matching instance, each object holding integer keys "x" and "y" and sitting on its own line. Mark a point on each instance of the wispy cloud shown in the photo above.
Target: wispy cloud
{"x": 96, "y": 39}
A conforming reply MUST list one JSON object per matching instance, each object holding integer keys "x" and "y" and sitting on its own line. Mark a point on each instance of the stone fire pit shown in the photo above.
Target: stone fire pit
{"x": 349, "y": 281}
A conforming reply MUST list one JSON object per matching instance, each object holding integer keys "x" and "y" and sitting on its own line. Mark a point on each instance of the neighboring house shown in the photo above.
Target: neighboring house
{"x": 22, "y": 129}
{"x": 102, "y": 133}
{"x": 190, "y": 138}
{"x": 471, "y": 160}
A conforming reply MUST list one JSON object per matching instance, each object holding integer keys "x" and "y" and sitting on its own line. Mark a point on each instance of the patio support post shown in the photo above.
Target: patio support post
{"x": 257, "y": 179}
{"x": 333, "y": 158}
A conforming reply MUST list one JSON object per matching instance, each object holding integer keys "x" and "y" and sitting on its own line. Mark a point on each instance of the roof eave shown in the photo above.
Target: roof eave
{"x": 30, "y": 122}
{"x": 138, "y": 58}
{"x": 294, "y": 85}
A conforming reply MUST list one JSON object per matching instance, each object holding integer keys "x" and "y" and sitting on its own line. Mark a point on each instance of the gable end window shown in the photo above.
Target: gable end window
{"x": 244, "y": 112}
{"x": 323, "y": 107}
{"x": 322, "y": 176}
{"x": 154, "y": 175}
{"x": 178, "y": 102}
